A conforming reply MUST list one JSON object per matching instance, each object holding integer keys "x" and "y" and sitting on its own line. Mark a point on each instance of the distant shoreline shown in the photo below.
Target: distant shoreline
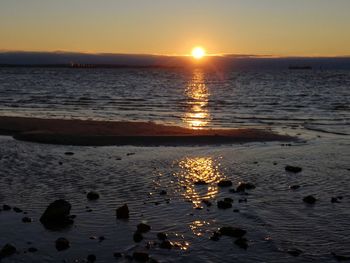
{"x": 85, "y": 66}
{"x": 104, "y": 133}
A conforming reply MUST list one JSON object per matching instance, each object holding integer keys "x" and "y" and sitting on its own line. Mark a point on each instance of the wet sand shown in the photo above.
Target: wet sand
{"x": 104, "y": 133}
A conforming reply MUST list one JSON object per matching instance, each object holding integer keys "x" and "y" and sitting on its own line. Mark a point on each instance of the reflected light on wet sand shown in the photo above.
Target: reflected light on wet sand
{"x": 197, "y": 97}
{"x": 198, "y": 178}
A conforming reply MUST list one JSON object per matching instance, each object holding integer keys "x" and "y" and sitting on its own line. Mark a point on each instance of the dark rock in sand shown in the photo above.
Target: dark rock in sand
{"x": 166, "y": 244}
{"x": 162, "y": 236}
{"x": 27, "y": 219}
{"x": 140, "y": 256}
{"x": 335, "y": 200}
{"x": 69, "y": 153}
{"x": 123, "y": 212}
{"x": 7, "y": 250}
{"x": 225, "y": 183}
{"x": 242, "y": 243}
{"x": 216, "y": 236}
{"x": 294, "y": 187}
{"x": 200, "y": 182}
{"x": 309, "y": 199}
{"x": 222, "y": 204}
{"x": 17, "y": 210}
{"x": 32, "y": 249}
{"x": 137, "y": 237}
{"x": 294, "y": 252}
{"x": 232, "y": 231}
{"x": 293, "y": 169}
{"x": 206, "y": 202}
{"x": 57, "y": 215}
{"x": 143, "y": 228}
{"x": 91, "y": 258}
{"x": 62, "y": 244}
{"x": 340, "y": 257}
{"x": 163, "y": 192}
{"x": 6, "y": 207}
{"x": 245, "y": 186}
{"x": 92, "y": 195}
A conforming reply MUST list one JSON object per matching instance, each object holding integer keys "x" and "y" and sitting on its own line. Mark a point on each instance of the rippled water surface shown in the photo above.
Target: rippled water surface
{"x": 195, "y": 98}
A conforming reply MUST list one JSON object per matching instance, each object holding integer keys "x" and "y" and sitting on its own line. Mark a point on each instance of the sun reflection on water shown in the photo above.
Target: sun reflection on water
{"x": 198, "y": 178}
{"x": 197, "y": 113}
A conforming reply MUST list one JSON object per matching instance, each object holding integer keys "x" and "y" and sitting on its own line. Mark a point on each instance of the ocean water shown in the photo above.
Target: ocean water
{"x": 311, "y": 105}
{"x": 197, "y": 98}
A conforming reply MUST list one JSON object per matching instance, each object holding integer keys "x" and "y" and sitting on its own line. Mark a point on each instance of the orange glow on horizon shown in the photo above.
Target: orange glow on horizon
{"x": 198, "y": 52}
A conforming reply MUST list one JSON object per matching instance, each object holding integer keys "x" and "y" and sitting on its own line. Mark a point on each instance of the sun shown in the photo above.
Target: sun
{"x": 198, "y": 52}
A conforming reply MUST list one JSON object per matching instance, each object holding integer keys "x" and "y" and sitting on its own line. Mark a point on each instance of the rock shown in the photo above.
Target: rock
{"x": 200, "y": 182}
{"x": 92, "y": 195}
{"x": 123, "y": 212}
{"x": 232, "y": 231}
{"x": 340, "y": 257}
{"x": 243, "y": 200}
{"x": 216, "y": 236}
{"x": 7, "y": 250}
{"x": 163, "y": 192}
{"x": 222, "y": 204}
{"x": 225, "y": 183}
{"x": 236, "y": 210}
{"x": 6, "y": 207}
{"x": 245, "y": 186}
{"x": 117, "y": 254}
{"x": 62, "y": 244}
{"x": 32, "y": 249}
{"x": 242, "y": 243}
{"x": 69, "y": 153}
{"x": 91, "y": 258}
{"x": 309, "y": 199}
{"x": 166, "y": 244}
{"x": 17, "y": 210}
{"x": 140, "y": 256}
{"x": 143, "y": 228}
{"x": 227, "y": 199}
{"x": 162, "y": 236}
{"x": 206, "y": 202}
{"x": 293, "y": 169}
{"x": 57, "y": 215}
{"x": 335, "y": 200}
{"x": 294, "y": 252}
{"x": 294, "y": 187}
{"x": 27, "y": 219}
{"x": 60, "y": 163}
{"x": 137, "y": 237}
{"x": 101, "y": 238}
{"x": 129, "y": 154}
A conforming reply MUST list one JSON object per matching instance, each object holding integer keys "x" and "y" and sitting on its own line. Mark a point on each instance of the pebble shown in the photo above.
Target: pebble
{"x": 166, "y": 244}
{"x": 294, "y": 187}
{"x": 143, "y": 228}
{"x": 17, "y": 210}
{"x": 225, "y": 183}
{"x": 232, "y": 231}
{"x": 92, "y": 195}
{"x": 242, "y": 243}
{"x": 6, "y": 207}
{"x": 293, "y": 169}
{"x": 27, "y": 219}
{"x": 224, "y": 205}
{"x": 200, "y": 182}
{"x": 309, "y": 199}
{"x": 137, "y": 237}
{"x": 123, "y": 212}
{"x": 7, "y": 250}
{"x": 62, "y": 244}
{"x": 69, "y": 153}
{"x": 91, "y": 258}
{"x": 162, "y": 236}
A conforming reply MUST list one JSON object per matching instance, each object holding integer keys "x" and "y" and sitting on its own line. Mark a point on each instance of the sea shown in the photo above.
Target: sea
{"x": 160, "y": 184}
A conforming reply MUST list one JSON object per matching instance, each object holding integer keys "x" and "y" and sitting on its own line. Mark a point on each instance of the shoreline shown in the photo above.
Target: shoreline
{"x": 107, "y": 133}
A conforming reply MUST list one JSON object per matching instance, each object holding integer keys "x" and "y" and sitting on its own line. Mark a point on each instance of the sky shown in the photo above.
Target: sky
{"x": 169, "y": 27}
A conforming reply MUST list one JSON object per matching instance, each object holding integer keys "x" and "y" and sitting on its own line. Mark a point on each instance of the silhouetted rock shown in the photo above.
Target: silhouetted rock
{"x": 140, "y": 256}
{"x": 335, "y": 200}
{"x": 6, "y": 207}
{"x": 92, "y": 195}
{"x": 242, "y": 242}
{"x": 236, "y": 210}
{"x": 27, "y": 219}
{"x": 163, "y": 192}
{"x": 222, "y": 204}
{"x": 32, "y": 249}
{"x": 162, "y": 236}
{"x": 137, "y": 237}
{"x": 57, "y": 215}
{"x": 69, "y": 153}
{"x": 294, "y": 252}
{"x": 206, "y": 202}
{"x": 101, "y": 238}
{"x": 232, "y": 190}
{"x": 228, "y": 199}
{"x": 294, "y": 187}
{"x": 200, "y": 182}
{"x": 216, "y": 236}
{"x": 17, "y": 210}
{"x": 309, "y": 199}
{"x": 245, "y": 186}
{"x": 62, "y": 244}
{"x": 143, "y": 228}
{"x": 340, "y": 257}
{"x": 293, "y": 169}
{"x": 225, "y": 183}
{"x": 7, "y": 250}
{"x": 166, "y": 244}
{"x": 91, "y": 258}
{"x": 123, "y": 212}
{"x": 232, "y": 231}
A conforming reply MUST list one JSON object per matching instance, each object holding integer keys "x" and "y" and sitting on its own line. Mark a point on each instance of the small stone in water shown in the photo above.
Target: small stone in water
{"x": 92, "y": 195}
{"x": 32, "y": 249}
{"x": 225, "y": 183}
{"x": 7, "y": 250}
{"x": 17, "y": 210}
{"x": 143, "y": 228}
{"x": 137, "y": 237}
{"x": 242, "y": 243}
{"x": 294, "y": 187}
{"x": 27, "y": 219}
{"x": 91, "y": 258}
{"x": 293, "y": 169}
{"x": 232, "y": 231}
{"x": 62, "y": 244}
{"x": 223, "y": 204}
{"x": 162, "y": 236}
{"x": 309, "y": 199}
{"x": 123, "y": 212}
{"x": 141, "y": 256}
{"x": 163, "y": 192}
{"x": 166, "y": 244}
{"x": 6, "y": 207}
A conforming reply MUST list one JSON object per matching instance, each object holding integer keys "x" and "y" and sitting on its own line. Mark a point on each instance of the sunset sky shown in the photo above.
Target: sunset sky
{"x": 261, "y": 27}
